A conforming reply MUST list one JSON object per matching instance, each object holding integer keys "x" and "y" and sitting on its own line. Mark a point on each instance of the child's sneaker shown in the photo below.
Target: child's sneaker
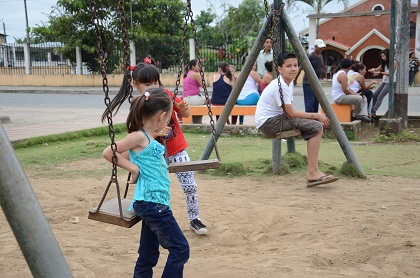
{"x": 198, "y": 227}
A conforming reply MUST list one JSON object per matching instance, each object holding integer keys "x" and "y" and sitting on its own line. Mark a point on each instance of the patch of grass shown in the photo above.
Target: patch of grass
{"x": 253, "y": 153}
{"x": 230, "y": 170}
{"x": 349, "y": 169}
{"x": 407, "y": 135}
{"x": 42, "y": 140}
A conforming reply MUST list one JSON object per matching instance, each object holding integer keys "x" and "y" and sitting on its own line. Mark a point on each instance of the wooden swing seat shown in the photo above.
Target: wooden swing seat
{"x": 110, "y": 213}
{"x": 288, "y": 134}
{"x": 197, "y": 165}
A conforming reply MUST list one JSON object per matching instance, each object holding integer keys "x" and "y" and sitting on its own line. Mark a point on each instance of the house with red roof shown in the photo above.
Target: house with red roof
{"x": 357, "y": 33}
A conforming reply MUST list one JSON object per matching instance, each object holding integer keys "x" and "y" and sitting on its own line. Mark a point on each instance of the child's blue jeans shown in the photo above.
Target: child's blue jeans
{"x": 159, "y": 227}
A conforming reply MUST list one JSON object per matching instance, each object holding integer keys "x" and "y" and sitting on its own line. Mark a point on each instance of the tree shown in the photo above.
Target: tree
{"x": 154, "y": 21}
{"x": 317, "y": 7}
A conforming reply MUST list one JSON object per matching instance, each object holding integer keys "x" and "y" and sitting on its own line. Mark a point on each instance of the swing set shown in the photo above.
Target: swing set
{"x": 114, "y": 211}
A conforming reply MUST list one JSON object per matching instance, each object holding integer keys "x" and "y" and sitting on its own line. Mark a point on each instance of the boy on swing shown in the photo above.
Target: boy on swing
{"x": 270, "y": 117}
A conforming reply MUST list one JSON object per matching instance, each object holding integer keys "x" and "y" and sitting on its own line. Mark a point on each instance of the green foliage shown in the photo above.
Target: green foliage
{"x": 70, "y": 22}
{"x": 406, "y": 135}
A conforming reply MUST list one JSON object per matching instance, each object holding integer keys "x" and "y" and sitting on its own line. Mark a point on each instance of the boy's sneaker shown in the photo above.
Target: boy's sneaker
{"x": 198, "y": 227}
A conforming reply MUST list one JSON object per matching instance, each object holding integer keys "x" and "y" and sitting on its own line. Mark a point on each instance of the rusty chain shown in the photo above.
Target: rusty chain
{"x": 189, "y": 16}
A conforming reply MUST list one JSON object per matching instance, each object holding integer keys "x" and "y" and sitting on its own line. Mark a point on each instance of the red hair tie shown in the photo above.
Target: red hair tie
{"x": 147, "y": 60}
{"x": 227, "y": 67}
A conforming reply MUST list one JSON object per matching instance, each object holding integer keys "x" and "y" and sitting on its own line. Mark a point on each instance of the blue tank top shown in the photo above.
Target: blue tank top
{"x": 153, "y": 184}
{"x": 221, "y": 91}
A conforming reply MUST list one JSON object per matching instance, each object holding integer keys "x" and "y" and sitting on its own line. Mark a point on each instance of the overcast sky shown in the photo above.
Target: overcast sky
{"x": 13, "y": 13}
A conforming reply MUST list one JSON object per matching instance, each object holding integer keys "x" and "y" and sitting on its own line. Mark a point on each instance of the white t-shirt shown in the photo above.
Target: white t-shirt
{"x": 269, "y": 104}
{"x": 336, "y": 88}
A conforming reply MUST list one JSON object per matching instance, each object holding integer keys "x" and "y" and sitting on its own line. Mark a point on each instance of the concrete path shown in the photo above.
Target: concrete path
{"x": 38, "y": 111}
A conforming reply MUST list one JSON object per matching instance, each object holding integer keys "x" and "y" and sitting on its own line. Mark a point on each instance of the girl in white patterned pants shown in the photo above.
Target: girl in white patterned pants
{"x": 188, "y": 184}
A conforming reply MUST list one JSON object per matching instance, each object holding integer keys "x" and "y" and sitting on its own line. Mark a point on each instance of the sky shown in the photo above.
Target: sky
{"x": 12, "y": 16}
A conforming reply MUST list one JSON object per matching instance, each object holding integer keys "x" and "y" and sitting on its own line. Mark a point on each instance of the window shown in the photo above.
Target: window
{"x": 378, "y": 7}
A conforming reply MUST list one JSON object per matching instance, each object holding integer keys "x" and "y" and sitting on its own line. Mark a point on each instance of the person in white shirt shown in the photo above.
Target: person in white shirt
{"x": 342, "y": 94}
{"x": 265, "y": 55}
{"x": 270, "y": 114}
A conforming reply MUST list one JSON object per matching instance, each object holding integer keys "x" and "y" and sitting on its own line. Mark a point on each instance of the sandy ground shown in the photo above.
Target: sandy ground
{"x": 267, "y": 227}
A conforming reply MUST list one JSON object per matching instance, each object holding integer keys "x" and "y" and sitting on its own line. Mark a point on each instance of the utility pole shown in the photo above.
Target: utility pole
{"x": 402, "y": 51}
{"x": 28, "y": 48}
{"x": 4, "y": 31}
{"x": 27, "y": 24}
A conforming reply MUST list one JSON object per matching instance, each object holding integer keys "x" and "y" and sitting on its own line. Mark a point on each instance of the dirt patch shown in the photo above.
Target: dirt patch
{"x": 265, "y": 227}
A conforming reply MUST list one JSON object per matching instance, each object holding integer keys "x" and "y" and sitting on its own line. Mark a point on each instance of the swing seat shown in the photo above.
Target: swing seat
{"x": 110, "y": 213}
{"x": 288, "y": 134}
{"x": 197, "y": 165}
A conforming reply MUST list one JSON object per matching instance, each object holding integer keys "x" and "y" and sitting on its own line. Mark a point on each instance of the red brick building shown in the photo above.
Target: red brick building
{"x": 357, "y": 36}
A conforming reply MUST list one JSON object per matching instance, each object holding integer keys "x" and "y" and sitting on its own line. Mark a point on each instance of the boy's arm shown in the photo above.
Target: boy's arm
{"x": 293, "y": 113}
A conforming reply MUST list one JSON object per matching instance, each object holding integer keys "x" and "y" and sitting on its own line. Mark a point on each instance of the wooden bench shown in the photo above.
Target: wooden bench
{"x": 342, "y": 111}
{"x": 202, "y": 110}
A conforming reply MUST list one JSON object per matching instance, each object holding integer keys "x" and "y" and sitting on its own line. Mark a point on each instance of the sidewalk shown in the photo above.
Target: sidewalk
{"x": 38, "y": 111}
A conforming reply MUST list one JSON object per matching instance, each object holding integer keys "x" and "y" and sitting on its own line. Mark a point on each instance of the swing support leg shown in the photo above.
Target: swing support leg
{"x": 29, "y": 224}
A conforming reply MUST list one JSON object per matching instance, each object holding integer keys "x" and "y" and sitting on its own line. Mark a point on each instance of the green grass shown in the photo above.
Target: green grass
{"x": 241, "y": 155}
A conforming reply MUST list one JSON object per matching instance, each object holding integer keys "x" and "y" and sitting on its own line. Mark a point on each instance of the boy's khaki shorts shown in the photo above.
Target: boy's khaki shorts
{"x": 308, "y": 128}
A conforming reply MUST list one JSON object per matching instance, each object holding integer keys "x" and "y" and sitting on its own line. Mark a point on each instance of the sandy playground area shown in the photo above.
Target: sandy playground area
{"x": 266, "y": 227}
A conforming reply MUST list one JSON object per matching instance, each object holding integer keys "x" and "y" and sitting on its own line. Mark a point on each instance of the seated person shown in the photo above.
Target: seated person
{"x": 223, "y": 83}
{"x": 342, "y": 94}
{"x": 249, "y": 94}
{"x": 357, "y": 83}
{"x": 268, "y": 76}
{"x": 271, "y": 112}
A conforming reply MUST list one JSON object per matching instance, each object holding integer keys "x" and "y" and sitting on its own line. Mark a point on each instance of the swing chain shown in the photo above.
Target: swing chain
{"x": 197, "y": 51}
{"x": 189, "y": 15}
{"x": 269, "y": 21}
{"x": 276, "y": 42}
{"x": 126, "y": 47}
{"x": 181, "y": 55}
{"x": 105, "y": 88}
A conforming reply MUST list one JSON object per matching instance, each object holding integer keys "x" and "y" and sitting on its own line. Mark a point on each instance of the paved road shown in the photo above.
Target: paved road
{"x": 53, "y": 110}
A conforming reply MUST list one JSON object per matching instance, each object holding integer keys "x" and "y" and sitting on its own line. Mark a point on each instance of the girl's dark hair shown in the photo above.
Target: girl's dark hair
{"x": 344, "y": 64}
{"x": 269, "y": 66}
{"x": 358, "y": 66}
{"x": 385, "y": 63}
{"x": 283, "y": 57}
{"x": 188, "y": 67}
{"x": 225, "y": 69}
{"x": 145, "y": 107}
{"x": 142, "y": 73}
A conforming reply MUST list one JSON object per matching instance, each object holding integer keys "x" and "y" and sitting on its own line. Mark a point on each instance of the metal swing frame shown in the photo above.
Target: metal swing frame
{"x": 196, "y": 165}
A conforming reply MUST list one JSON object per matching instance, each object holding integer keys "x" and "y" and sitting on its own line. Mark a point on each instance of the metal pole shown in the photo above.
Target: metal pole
{"x": 28, "y": 42}
{"x": 390, "y": 113}
{"x": 403, "y": 39}
{"x": 319, "y": 93}
{"x": 24, "y": 214}
{"x": 246, "y": 69}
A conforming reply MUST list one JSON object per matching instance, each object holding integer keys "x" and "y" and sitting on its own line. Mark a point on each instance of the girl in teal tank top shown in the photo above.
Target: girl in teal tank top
{"x": 148, "y": 114}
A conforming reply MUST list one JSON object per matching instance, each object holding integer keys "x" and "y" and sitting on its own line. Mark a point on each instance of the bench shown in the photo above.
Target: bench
{"x": 202, "y": 110}
{"x": 342, "y": 111}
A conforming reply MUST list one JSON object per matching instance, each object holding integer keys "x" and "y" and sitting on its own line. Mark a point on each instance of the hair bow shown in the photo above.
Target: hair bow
{"x": 147, "y": 60}
{"x": 146, "y": 95}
